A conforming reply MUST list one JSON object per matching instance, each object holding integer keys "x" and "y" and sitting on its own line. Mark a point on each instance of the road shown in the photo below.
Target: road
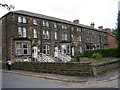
{"x": 12, "y": 80}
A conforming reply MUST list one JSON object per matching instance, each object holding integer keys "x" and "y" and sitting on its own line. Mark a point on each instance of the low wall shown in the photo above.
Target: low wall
{"x": 73, "y": 69}
{"x": 106, "y": 66}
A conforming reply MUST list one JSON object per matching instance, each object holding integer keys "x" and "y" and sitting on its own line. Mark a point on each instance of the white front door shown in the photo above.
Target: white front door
{"x": 73, "y": 51}
{"x": 56, "y": 52}
{"x": 35, "y": 52}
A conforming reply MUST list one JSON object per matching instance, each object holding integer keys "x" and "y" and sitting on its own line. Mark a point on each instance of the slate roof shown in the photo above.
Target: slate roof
{"x": 22, "y": 12}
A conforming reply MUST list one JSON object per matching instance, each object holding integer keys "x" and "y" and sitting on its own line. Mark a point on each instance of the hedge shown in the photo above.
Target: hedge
{"x": 112, "y": 52}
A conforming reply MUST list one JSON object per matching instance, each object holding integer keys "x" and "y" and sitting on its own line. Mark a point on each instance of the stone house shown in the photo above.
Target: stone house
{"x": 27, "y": 35}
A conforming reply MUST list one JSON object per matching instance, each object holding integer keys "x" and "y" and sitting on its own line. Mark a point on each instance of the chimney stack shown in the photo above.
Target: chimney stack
{"x": 76, "y": 21}
{"x": 92, "y": 25}
{"x": 100, "y": 27}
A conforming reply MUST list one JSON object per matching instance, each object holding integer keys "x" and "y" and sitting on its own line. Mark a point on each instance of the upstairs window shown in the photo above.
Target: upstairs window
{"x": 64, "y": 37}
{"x": 46, "y": 34}
{"x": 19, "y": 19}
{"x": 19, "y": 32}
{"x": 72, "y": 37}
{"x": 55, "y": 25}
{"x": 35, "y": 21}
{"x": 45, "y": 23}
{"x": 56, "y": 36}
{"x": 79, "y": 38}
{"x": 22, "y": 32}
{"x": 22, "y": 19}
{"x": 34, "y": 33}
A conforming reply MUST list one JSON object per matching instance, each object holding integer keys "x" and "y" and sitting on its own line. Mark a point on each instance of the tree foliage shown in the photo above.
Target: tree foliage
{"x": 9, "y": 7}
{"x": 118, "y": 33}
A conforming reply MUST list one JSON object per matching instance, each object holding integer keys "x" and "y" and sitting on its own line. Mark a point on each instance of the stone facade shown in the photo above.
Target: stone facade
{"x": 25, "y": 35}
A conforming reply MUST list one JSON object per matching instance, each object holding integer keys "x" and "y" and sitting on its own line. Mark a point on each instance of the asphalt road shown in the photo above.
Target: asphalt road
{"x": 11, "y": 80}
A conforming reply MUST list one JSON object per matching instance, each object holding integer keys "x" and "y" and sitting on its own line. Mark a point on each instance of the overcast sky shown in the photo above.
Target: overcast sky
{"x": 101, "y": 12}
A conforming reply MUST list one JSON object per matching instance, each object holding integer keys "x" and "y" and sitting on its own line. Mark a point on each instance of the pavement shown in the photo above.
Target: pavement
{"x": 108, "y": 76}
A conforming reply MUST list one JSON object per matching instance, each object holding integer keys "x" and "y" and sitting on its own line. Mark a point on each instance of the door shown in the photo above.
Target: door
{"x": 64, "y": 49}
{"x": 35, "y": 52}
{"x": 73, "y": 51}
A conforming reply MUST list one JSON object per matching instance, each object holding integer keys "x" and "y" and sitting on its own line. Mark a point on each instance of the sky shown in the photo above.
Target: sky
{"x": 101, "y": 12}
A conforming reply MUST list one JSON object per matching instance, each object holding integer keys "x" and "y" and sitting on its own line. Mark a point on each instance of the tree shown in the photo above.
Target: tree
{"x": 118, "y": 33}
{"x": 7, "y": 6}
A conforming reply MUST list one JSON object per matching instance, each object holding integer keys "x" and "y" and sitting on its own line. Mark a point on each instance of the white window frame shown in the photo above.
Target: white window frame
{"x": 22, "y": 48}
{"x": 35, "y": 21}
{"x": 56, "y": 36}
{"x": 47, "y": 24}
{"x": 24, "y": 32}
{"x": 44, "y": 23}
{"x": 20, "y": 32}
{"x": 44, "y": 34}
{"x": 55, "y": 25}
{"x": 24, "y": 19}
{"x": 18, "y": 48}
{"x": 19, "y": 19}
{"x": 35, "y": 33}
{"x": 25, "y": 48}
{"x": 79, "y": 38}
{"x": 47, "y": 35}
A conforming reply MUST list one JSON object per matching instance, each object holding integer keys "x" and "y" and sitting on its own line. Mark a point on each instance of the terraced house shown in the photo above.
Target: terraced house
{"x": 28, "y": 36}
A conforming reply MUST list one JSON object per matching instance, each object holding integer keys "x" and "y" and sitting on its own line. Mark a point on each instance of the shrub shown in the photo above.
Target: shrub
{"x": 97, "y": 56}
{"x": 112, "y": 52}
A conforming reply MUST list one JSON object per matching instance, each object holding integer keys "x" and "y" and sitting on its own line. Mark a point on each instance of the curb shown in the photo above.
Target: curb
{"x": 50, "y": 78}
{"x": 63, "y": 80}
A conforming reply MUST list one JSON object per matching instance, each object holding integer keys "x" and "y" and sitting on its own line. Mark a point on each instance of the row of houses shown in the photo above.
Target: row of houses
{"x": 28, "y": 36}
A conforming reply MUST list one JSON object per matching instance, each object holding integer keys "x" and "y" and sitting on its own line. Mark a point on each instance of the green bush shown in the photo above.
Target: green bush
{"x": 97, "y": 56}
{"x": 112, "y": 52}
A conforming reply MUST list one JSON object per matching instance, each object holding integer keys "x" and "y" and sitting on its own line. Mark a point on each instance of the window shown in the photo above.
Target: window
{"x": 24, "y": 20}
{"x": 19, "y": 32}
{"x": 18, "y": 48}
{"x": 68, "y": 49}
{"x": 64, "y": 36}
{"x": 79, "y": 29}
{"x": 46, "y": 49}
{"x": 23, "y": 48}
{"x": 21, "y": 19}
{"x": 79, "y": 38}
{"x": 22, "y": 32}
{"x": 46, "y": 23}
{"x": 56, "y": 36}
{"x": 72, "y": 28}
{"x": 80, "y": 49}
{"x": 34, "y": 33}
{"x": 72, "y": 37}
{"x": 55, "y": 25}
{"x": 46, "y": 34}
{"x": 35, "y": 21}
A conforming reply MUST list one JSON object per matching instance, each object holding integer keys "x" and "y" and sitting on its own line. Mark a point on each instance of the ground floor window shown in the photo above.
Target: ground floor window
{"x": 23, "y": 48}
{"x": 46, "y": 49}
